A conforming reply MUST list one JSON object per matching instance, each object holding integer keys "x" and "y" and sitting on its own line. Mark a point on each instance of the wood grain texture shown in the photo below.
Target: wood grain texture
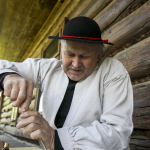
{"x": 20, "y": 22}
{"x": 140, "y": 141}
{"x": 141, "y": 111}
{"x": 54, "y": 28}
{"x": 136, "y": 59}
{"x": 141, "y": 94}
{"x": 50, "y": 23}
{"x": 130, "y": 27}
{"x": 81, "y": 7}
{"x": 111, "y": 12}
{"x": 96, "y": 7}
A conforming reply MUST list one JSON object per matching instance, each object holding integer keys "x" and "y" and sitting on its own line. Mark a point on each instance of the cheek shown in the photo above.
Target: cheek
{"x": 66, "y": 63}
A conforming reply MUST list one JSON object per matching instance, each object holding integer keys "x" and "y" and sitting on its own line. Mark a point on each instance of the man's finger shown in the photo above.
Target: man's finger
{"x": 21, "y": 96}
{"x": 29, "y": 94}
{"x": 7, "y": 88}
{"x": 25, "y": 122}
{"x": 38, "y": 134}
{"x": 14, "y": 92}
{"x": 30, "y": 113}
{"x": 31, "y": 128}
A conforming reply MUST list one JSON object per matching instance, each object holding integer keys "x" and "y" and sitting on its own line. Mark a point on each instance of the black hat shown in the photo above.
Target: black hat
{"x": 82, "y": 29}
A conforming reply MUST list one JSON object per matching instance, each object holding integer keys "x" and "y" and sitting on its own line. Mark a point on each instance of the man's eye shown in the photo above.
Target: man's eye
{"x": 84, "y": 57}
{"x": 70, "y": 55}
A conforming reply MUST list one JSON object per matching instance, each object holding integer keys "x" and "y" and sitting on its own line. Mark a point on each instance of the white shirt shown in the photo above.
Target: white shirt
{"x": 100, "y": 116}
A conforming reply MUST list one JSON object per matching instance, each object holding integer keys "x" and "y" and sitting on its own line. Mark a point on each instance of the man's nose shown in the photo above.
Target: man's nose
{"x": 76, "y": 62}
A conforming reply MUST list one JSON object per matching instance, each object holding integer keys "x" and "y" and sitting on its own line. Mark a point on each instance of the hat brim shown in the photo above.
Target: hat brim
{"x": 80, "y": 40}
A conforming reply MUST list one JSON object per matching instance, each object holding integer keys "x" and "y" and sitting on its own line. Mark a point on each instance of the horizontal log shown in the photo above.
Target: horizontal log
{"x": 141, "y": 95}
{"x": 81, "y": 7}
{"x": 15, "y": 131}
{"x": 96, "y": 7}
{"x": 136, "y": 59}
{"x": 141, "y": 118}
{"x": 8, "y": 101}
{"x": 111, "y": 12}
{"x": 127, "y": 29}
{"x": 7, "y": 108}
{"x": 141, "y": 141}
{"x": 6, "y": 114}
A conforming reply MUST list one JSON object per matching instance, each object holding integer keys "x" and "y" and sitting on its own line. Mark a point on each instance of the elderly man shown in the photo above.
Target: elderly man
{"x": 87, "y": 99}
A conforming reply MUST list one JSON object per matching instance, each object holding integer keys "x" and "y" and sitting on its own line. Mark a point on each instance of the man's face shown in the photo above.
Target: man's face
{"x": 79, "y": 59}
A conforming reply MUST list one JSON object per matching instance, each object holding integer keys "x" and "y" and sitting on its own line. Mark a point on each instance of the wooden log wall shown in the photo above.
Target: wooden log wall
{"x": 126, "y": 23}
{"x": 5, "y": 118}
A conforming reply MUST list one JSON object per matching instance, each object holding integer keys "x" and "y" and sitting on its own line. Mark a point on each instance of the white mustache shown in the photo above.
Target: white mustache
{"x": 74, "y": 68}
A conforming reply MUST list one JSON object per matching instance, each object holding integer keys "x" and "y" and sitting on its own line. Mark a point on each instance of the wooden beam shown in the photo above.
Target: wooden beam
{"x": 140, "y": 141}
{"x": 127, "y": 29}
{"x": 141, "y": 111}
{"x": 52, "y": 30}
{"x": 136, "y": 59}
{"x": 111, "y": 12}
{"x": 141, "y": 95}
{"x": 96, "y": 7}
{"x": 52, "y": 20}
{"x": 81, "y": 7}
{"x": 141, "y": 118}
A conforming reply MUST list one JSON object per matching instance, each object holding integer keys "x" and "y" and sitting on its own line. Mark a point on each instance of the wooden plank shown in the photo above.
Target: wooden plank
{"x": 81, "y": 7}
{"x": 141, "y": 118}
{"x": 140, "y": 141}
{"x": 50, "y": 22}
{"x": 32, "y": 27}
{"x": 128, "y": 10}
{"x": 18, "y": 29}
{"x": 54, "y": 28}
{"x": 136, "y": 59}
{"x": 141, "y": 111}
{"x": 111, "y": 12}
{"x": 96, "y": 7}
{"x": 134, "y": 25}
{"x": 141, "y": 95}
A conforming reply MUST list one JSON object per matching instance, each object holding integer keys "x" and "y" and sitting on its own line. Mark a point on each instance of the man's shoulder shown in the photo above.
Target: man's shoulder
{"x": 111, "y": 66}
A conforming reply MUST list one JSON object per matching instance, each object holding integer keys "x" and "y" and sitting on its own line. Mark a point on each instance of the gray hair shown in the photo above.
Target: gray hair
{"x": 100, "y": 47}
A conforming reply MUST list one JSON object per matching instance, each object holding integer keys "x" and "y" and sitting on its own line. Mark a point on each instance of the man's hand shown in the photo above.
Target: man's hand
{"x": 35, "y": 124}
{"x": 19, "y": 90}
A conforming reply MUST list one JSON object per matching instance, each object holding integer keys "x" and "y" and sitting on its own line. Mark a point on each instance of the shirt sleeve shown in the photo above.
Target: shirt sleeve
{"x": 34, "y": 70}
{"x": 115, "y": 126}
